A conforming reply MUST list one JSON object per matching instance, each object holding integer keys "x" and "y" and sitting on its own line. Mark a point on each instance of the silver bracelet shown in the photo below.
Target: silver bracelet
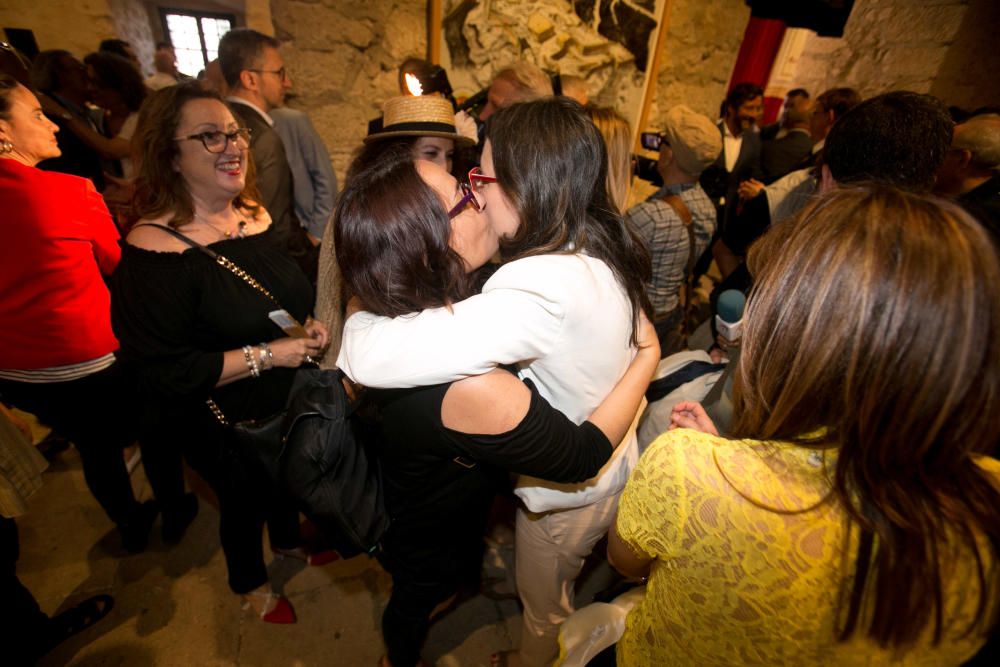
{"x": 266, "y": 357}
{"x": 251, "y": 360}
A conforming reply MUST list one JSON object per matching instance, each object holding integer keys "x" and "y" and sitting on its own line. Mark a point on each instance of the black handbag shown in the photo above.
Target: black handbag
{"x": 317, "y": 449}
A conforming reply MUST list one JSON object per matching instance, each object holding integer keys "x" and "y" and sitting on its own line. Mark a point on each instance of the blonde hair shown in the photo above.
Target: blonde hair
{"x": 530, "y": 82}
{"x": 618, "y": 139}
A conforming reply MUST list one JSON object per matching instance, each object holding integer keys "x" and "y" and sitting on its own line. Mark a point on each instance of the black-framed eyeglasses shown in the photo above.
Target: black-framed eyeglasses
{"x": 216, "y": 141}
{"x": 282, "y": 73}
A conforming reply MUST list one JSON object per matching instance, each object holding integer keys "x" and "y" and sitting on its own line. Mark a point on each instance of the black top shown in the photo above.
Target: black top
{"x": 983, "y": 203}
{"x": 175, "y": 314}
{"x": 439, "y": 483}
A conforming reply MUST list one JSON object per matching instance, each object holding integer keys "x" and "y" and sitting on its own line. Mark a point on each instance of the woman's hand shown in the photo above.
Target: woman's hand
{"x": 292, "y": 352}
{"x": 318, "y": 331}
{"x": 690, "y": 414}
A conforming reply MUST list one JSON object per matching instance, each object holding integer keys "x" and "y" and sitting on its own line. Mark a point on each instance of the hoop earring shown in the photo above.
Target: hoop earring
{"x": 6, "y": 147}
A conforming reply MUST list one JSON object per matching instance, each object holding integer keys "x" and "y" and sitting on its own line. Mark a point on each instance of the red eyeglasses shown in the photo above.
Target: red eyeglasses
{"x": 469, "y": 190}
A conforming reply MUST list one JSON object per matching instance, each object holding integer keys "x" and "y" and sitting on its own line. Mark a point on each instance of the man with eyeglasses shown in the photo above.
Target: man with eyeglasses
{"x": 258, "y": 81}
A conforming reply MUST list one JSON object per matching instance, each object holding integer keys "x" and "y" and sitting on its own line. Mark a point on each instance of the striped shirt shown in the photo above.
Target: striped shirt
{"x": 58, "y": 373}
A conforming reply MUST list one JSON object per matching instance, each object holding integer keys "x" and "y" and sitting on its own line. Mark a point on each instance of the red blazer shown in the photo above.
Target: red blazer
{"x": 58, "y": 242}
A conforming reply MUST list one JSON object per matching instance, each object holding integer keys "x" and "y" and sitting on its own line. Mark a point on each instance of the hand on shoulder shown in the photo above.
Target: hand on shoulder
{"x": 488, "y": 404}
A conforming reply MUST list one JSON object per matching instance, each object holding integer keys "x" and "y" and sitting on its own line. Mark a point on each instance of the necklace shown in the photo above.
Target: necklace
{"x": 241, "y": 226}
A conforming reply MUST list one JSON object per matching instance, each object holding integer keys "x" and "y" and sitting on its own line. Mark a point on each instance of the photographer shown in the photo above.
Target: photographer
{"x": 678, "y": 221}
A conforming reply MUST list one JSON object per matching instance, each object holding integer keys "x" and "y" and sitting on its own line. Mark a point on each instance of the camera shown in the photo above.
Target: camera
{"x": 644, "y": 167}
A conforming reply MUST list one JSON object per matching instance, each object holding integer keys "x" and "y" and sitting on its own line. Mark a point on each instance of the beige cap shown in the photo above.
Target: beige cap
{"x": 694, "y": 140}
{"x": 419, "y": 116}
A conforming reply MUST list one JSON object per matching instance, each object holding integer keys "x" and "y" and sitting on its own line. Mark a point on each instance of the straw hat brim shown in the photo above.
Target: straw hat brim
{"x": 460, "y": 140}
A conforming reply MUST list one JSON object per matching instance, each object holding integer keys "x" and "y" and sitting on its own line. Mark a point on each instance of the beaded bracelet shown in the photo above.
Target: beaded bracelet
{"x": 251, "y": 360}
{"x": 266, "y": 357}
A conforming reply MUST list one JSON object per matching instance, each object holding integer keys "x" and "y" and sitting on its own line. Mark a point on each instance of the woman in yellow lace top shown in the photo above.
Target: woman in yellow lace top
{"x": 851, "y": 518}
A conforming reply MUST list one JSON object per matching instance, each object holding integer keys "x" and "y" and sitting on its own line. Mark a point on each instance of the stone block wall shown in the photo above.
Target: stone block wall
{"x": 132, "y": 24}
{"x": 77, "y": 26}
{"x": 343, "y": 58}
{"x": 928, "y": 46}
{"x": 697, "y": 55}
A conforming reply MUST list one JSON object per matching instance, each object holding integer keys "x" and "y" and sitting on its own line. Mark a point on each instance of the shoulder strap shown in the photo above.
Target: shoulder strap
{"x": 684, "y": 213}
{"x": 221, "y": 260}
{"x": 182, "y": 237}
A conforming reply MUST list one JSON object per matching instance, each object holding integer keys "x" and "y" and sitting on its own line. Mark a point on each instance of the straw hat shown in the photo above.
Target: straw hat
{"x": 420, "y": 116}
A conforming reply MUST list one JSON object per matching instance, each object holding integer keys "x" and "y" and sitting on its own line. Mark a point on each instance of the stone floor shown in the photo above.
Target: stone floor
{"x": 173, "y": 607}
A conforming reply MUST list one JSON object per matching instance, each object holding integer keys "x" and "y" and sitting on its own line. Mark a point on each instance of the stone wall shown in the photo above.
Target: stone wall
{"x": 343, "y": 60}
{"x": 968, "y": 75}
{"x": 920, "y": 45}
{"x": 697, "y": 56}
{"x": 77, "y": 26}
{"x": 132, "y": 24}
{"x": 344, "y": 57}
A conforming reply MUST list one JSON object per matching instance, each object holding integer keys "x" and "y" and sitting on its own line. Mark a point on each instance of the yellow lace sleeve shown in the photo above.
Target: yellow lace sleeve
{"x": 651, "y": 512}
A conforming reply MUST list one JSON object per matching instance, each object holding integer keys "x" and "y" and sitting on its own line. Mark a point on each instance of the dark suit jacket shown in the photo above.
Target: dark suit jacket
{"x": 718, "y": 182}
{"x": 780, "y": 156}
{"x": 274, "y": 181}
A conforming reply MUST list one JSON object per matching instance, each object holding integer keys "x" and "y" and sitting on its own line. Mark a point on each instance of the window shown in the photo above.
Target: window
{"x": 195, "y": 37}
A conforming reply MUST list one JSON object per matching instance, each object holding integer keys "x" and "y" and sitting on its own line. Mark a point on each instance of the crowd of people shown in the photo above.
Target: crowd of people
{"x": 180, "y": 250}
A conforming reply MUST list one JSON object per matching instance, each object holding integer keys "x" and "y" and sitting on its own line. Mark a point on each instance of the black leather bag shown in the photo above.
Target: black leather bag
{"x": 318, "y": 450}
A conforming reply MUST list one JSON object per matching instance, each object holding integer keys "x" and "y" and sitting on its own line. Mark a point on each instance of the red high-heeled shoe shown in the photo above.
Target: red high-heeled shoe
{"x": 281, "y": 613}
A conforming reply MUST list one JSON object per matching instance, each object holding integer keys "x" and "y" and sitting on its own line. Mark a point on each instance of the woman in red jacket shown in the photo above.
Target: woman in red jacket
{"x": 56, "y": 345}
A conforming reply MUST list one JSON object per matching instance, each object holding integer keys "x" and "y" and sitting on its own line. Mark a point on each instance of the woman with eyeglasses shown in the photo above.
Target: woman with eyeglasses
{"x": 409, "y": 237}
{"x": 564, "y": 308}
{"x": 198, "y": 335}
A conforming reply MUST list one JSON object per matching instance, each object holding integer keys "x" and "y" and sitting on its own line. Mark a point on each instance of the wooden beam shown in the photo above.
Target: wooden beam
{"x": 652, "y": 72}
{"x": 434, "y": 30}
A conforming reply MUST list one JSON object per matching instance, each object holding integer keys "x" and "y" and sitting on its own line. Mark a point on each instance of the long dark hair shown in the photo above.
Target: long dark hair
{"x": 391, "y": 236}
{"x": 874, "y": 328}
{"x": 159, "y": 189}
{"x": 552, "y": 165}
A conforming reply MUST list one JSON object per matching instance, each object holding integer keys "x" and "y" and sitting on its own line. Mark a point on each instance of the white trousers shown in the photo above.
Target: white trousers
{"x": 550, "y": 549}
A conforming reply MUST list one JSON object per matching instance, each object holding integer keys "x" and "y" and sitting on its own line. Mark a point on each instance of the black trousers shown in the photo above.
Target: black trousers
{"x": 426, "y": 570}
{"x": 247, "y": 498}
{"x": 22, "y": 623}
{"x": 98, "y": 414}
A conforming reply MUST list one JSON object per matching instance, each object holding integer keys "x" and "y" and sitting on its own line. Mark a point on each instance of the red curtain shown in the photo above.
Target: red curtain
{"x": 761, "y": 42}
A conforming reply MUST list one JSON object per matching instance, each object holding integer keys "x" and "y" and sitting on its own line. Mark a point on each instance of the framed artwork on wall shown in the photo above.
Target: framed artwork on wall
{"x": 611, "y": 44}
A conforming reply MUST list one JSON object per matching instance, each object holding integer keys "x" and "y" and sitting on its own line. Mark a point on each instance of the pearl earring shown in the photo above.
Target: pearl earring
{"x": 6, "y": 147}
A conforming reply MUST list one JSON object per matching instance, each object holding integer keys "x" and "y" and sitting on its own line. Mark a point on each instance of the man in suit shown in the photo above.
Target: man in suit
{"x": 787, "y": 143}
{"x": 740, "y": 158}
{"x": 258, "y": 81}
{"x": 312, "y": 172}
{"x": 796, "y": 98}
{"x": 738, "y": 162}
{"x": 971, "y": 170}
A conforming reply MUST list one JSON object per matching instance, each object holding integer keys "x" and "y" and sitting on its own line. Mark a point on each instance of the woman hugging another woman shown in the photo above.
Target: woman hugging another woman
{"x": 564, "y": 309}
